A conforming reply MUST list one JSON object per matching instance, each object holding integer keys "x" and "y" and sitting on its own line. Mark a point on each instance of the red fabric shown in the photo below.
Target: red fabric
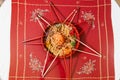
{"x": 99, "y": 37}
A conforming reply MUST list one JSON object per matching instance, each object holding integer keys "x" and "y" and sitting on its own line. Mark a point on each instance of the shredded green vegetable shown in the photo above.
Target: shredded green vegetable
{"x": 73, "y": 42}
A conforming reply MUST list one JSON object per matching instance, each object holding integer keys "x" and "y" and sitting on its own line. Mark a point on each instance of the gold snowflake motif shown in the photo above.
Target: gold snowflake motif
{"x": 46, "y": 1}
{"x": 77, "y": 2}
{"x": 89, "y": 18}
{"x": 41, "y": 12}
{"x": 35, "y": 64}
{"x": 102, "y": 24}
{"x": 88, "y": 67}
{"x": 20, "y": 23}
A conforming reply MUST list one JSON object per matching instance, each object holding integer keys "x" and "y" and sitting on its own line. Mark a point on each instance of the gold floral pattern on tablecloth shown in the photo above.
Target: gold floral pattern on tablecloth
{"x": 41, "y": 12}
{"x": 88, "y": 67}
{"x": 89, "y": 18}
{"x": 35, "y": 63}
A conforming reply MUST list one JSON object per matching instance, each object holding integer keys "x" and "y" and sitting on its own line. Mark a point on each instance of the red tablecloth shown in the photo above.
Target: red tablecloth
{"x": 93, "y": 19}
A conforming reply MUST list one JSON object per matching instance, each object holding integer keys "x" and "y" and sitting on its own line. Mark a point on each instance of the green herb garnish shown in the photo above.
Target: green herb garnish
{"x": 73, "y": 42}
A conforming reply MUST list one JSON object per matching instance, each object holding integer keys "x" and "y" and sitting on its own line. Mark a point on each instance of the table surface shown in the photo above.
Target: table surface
{"x": 5, "y": 21}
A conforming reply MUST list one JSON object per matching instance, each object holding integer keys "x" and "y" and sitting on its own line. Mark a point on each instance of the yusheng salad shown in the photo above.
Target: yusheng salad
{"x": 60, "y": 39}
